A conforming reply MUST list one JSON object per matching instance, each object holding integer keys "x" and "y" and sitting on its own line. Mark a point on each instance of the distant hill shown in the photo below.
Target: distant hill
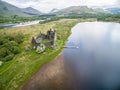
{"x": 54, "y": 10}
{"x": 7, "y": 10}
{"x": 80, "y": 10}
{"x": 114, "y": 10}
{"x": 31, "y": 11}
{"x": 102, "y": 11}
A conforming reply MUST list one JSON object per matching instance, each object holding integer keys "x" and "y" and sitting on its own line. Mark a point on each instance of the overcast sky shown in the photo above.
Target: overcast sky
{"x": 47, "y": 5}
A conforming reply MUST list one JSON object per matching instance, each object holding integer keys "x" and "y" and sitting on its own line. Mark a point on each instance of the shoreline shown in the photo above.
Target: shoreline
{"x": 58, "y": 72}
{"x": 53, "y": 75}
{"x": 24, "y": 65}
{"x": 27, "y": 63}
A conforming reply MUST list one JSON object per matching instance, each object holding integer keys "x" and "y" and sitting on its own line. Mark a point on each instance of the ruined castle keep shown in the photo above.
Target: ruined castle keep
{"x": 47, "y": 39}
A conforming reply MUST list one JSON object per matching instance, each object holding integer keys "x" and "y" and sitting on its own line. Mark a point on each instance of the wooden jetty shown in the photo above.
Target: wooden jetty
{"x": 70, "y": 47}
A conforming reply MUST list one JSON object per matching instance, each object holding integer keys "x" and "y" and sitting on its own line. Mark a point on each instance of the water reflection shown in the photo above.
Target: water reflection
{"x": 96, "y": 63}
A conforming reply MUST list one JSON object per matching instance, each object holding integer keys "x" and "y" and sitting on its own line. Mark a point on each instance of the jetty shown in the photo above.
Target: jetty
{"x": 70, "y": 47}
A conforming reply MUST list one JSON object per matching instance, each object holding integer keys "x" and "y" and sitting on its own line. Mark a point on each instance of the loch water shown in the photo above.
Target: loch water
{"x": 95, "y": 65}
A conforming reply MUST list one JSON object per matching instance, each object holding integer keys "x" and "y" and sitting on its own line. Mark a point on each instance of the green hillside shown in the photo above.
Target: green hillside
{"x": 80, "y": 10}
{"x": 7, "y": 10}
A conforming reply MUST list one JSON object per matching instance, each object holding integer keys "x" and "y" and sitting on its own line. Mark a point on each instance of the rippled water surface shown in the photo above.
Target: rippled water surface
{"x": 96, "y": 63}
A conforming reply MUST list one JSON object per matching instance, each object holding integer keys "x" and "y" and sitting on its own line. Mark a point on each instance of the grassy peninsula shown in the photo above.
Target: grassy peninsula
{"x": 14, "y": 73}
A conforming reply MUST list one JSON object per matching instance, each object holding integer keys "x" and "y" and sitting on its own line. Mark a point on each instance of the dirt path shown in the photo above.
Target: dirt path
{"x": 51, "y": 76}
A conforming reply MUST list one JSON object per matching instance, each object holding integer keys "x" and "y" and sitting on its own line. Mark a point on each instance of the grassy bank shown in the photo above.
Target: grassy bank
{"x": 110, "y": 18}
{"x": 14, "y": 73}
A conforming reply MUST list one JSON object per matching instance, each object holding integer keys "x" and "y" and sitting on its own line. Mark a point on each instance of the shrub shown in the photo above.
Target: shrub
{"x": 18, "y": 38}
{"x": 3, "y": 41}
{"x": 9, "y": 57}
{"x": 3, "y": 52}
{"x": 16, "y": 50}
{"x": 9, "y": 46}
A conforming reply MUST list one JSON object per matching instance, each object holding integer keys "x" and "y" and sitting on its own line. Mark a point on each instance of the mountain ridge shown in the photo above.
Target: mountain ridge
{"x": 8, "y": 10}
{"x": 30, "y": 10}
{"x": 78, "y": 10}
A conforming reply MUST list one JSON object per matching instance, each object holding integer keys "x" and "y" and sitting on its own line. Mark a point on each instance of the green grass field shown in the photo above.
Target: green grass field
{"x": 14, "y": 73}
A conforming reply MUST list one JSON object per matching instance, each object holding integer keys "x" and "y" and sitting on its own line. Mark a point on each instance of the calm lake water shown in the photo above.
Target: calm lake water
{"x": 96, "y": 63}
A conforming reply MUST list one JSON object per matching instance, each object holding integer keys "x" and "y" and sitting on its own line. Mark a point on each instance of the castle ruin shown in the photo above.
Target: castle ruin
{"x": 47, "y": 39}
